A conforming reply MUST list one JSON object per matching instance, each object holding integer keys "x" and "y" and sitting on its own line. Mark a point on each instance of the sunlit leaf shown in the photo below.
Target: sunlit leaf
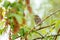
{"x": 6, "y": 4}
{"x": 21, "y": 32}
{"x": 13, "y": 37}
{"x": 57, "y": 25}
{"x": 0, "y": 0}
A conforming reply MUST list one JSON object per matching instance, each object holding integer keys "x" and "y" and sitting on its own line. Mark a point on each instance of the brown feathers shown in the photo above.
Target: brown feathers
{"x": 37, "y": 19}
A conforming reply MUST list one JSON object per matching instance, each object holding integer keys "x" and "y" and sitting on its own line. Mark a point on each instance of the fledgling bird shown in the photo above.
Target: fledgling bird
{"x": 37, "y": 19}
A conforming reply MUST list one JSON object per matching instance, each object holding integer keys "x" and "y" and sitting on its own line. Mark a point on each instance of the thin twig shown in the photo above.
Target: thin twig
{"x": 49, "y": 31}
{"x": 45, "y": 19}
{"x": 57, "y": 33}
{"x": 45, "y": 26}
{"x": 42, "y": 21}
{"x": 39, "y": 34}
{"x": 41, "y": 28}
{"x": 48, "y": 17}
{"x": 17, "y": 37}
{"x": 47, "y": 36}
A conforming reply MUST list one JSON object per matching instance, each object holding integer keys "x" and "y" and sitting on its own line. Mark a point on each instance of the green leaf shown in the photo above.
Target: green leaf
{"x": 6, "y": 4}
{"x": 57, "y": 25}
{"x": 48, "y": 38}
{"x": 0, "y": 0}
{"x": 18, "y": 6}
{"x": 13, "y": 37}
{"x": 13, "y": 4}
{"x": 17, "y": 16}
{"x": 21, "y": 32}
{"x": 3, "y": 30}
{"x": 1, "y": 24}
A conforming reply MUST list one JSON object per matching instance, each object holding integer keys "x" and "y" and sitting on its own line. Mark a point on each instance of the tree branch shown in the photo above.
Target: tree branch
{"x": 46, "y": 36}
{"x": 48, "y": 16}
{"x": 57, "y": 33}
{"x": 45, "y": 26}
{"x": 44, "y": 20}
{"x": 17, "y": 37}
{"x": 41, "y": 23}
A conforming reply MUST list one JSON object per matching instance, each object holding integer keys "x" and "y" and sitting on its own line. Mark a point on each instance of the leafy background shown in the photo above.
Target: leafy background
{"x": 47, "y": 10}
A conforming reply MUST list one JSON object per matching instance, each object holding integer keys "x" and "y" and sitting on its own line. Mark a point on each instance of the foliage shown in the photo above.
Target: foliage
{"x": 22, "y": 24}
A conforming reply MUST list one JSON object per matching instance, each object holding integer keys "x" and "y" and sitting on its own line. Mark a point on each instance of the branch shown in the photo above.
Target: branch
{"x": 45, "y": 26}
{"x": 48, "y": 17}
{"x": 38, "y": 29}
{"x": 17, "y": 37}
{"x": 47, "y": 36}
{"x": 39, "y": 34}
{"x": 57, "y": 33}
{"x": 41, "y": 23}
{"x": 44, "y": 20}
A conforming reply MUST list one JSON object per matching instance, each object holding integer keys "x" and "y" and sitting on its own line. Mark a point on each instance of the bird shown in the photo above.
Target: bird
{"x": 37, "y": 19}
